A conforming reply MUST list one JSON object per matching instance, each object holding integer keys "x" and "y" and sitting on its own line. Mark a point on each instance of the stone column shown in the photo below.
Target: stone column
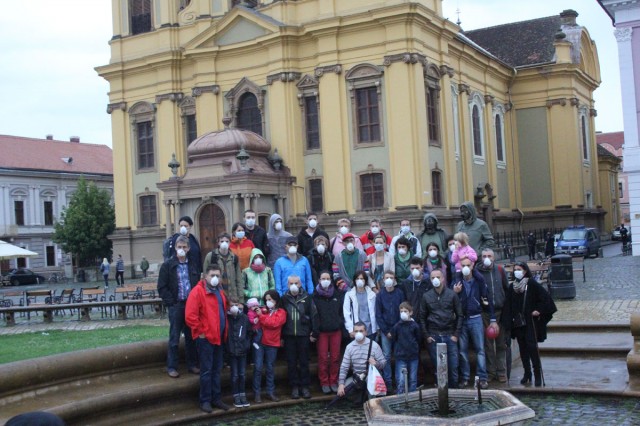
{"x": 280, "y": 200}
{"x": 234, "y": 208}
{"x": 247, "y": 201}
{"x": 167, "y": 205}
{"x": 254, "y": 202}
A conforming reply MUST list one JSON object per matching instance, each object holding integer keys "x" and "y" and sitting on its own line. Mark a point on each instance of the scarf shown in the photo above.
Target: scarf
{"x": 405, "y": 258}
{"x": 258, "y": 268}
{"x": 350, "y": 261}
{"x": 519, "y": 286}
{"x": 325, "y": 293}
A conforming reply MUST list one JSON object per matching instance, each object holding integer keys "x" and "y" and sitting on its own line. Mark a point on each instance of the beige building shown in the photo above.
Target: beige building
{"x": 354, "y": 108}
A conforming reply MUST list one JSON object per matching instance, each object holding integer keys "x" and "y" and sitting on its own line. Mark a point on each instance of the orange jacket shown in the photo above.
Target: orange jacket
{"x": 242, "y": 248}
{"x": 202, "y": 315}
{"x": 272, "y": 327}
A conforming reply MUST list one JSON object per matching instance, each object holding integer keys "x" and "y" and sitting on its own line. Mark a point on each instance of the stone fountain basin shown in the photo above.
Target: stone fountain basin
{"x": 498, "y": 408}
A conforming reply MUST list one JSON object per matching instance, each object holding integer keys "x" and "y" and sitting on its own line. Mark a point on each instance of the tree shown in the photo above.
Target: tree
{"x": 85, "y": 224}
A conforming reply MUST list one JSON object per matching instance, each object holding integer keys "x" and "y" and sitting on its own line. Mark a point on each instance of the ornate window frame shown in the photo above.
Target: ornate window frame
{"x": 476, "y": 100}
{"x": 584, "y": 132}
{"x": 309, "y": 195}
{"x": 142, "y": 112}
{"x": 371, "y": 171}
{"x": 20, "y": 194}
{"x": 139, "y": 197}
{"x": 187, "y": 108}
{"x": 436, "y": 171}
{"x": 130, "y": 17}
{"x": 363, "y": 76}
{"x": 432, "y": 89}
{"x": 456, "y": 119}
{"x": 498, "y": 114}
{"x": 233, "y": 99}
{"x": 308, "y": 88}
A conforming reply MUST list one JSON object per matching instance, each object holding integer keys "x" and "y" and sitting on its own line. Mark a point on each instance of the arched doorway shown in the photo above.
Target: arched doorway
{"x": 211, "y": 224}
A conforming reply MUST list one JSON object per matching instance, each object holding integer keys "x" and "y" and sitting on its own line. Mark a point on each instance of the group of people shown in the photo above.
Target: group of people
{"x": 260, "y": 289}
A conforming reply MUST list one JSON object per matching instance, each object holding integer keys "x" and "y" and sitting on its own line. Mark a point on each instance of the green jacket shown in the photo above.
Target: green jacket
{"x": 480, "y": 236}
{"x": 144, "y": 265}
{"x": 255, "y": 284}
{"x": 231, "y": 273}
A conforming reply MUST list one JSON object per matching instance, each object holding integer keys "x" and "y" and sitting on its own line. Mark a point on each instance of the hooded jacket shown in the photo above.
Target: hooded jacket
{"x": 238, "y": 334}
{"x": 368, "y": 238}
{"x": 202, "y": 314}
{"x": 319, "y": 263}
{"x": 284, "y": 268}
{"x": 271, "y": 324}
{"x": 480, "y": 236}
{"x": 439, "y": 236}
{"x": 277, "y": 240}
{"x": 242, "y": 248}
{"x": 351, "y": 308}
{"x": 257, "y": 283}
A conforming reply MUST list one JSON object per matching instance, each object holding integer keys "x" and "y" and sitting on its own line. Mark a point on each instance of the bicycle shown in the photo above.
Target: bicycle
{"x": 57, "y": 278}
{"x": 626, "y": 248}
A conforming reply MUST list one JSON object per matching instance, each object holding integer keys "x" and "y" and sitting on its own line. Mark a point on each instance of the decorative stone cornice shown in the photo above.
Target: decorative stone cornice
{"x": 307, "y": 82}
{"x": 558, "y": 101}
{"x": 320, "y": 71}
{"x": 285, "y": 77}
{"x": 623, "y": 34}
{"x": 446, "y": 69}
{"x": 593, "y": 112}
{"x": 489, "y": 99}
{"x": 197, "y": 91}
{"x": 174, "y": 96}
{"x": 122, "y": 106}
{"x": 407, "y": 58}
{"x": 464, "y": 88}
{"x": 508, "y": 106}
{"x": 574, "y": 102}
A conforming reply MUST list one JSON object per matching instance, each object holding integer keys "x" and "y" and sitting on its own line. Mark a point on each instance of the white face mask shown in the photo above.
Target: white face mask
{"x": 433, "y": 253}
{"x": 405, "y": 229}
{"x": 239, "y": 235}
{"x": 250, "y": 222}
{"x": 278, "y": 226}
{"x": 518, "y": 274}
{"x": 404, "y": 316}
{"x": 350, "y": 247}
{"x": 379, "y": 247}
{"x": 435, "y": 282}
{"x": 271, "y": 304}
{"x": 183, "y": 230}
{"x": 257, "y": 261}
{"x": 215, "y": 281}
{"x": 234, "y": 310}
{"x": 293, "y": 249}
{"x": 388, "y": 282}
{"x": 313, "y": 223}
{"x": 486, "y": 262}
{"x": 452, "y": 248}
{"x": 294, "y": 289}
{"x": 181, "y": 253}
{"x": 402, "y": 251}
{"x": 224, "y": 245}
{"x": 325, "y": 283}
{"x": 359, "y": 336}
{"x": 375, "y": 230}
{"x": 466, "y": 271}
{"x": 344, "y": 230}
{"x": 416, "y": 273}
{"x": 320, "y": 249}
{"x": 360, "y": 283}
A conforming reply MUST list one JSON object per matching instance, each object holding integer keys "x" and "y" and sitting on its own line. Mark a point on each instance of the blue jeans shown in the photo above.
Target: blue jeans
{"x": 387, "y": 349}
{"x": 452, "y": 357}
{"x": 106, "y": 279}
{"x": 210, "y": 370}
{"x": 472, "y": 330}
{"x": 178, "y": 326}
{"x": 265, "y": 356}
{"x": 412, "y": 371}
{"x": 238, "y": 366}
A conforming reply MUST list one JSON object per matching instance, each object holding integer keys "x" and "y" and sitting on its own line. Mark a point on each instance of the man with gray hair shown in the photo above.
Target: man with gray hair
{"x": 497, "y": 283}
{"x": 176, "y": 278}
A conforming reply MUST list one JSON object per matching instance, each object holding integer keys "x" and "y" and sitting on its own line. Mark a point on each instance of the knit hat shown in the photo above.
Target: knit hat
{"x": 252, "y": 303}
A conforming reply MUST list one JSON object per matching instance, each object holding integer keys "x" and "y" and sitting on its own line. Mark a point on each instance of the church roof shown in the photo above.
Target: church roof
{"x": 24, "y": 153}
{"x": 615, "y": 139}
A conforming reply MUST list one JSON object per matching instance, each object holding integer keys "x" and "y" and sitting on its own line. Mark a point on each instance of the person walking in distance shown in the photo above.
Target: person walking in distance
{"x": 119, "y": 271}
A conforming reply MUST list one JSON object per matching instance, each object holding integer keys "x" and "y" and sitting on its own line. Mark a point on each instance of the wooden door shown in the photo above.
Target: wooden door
{"x": 212, "y": 223}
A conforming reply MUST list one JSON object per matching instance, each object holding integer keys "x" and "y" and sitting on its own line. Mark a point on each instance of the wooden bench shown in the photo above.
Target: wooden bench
{"x": 37, "y": 298}
{"x": 578, "y": 266}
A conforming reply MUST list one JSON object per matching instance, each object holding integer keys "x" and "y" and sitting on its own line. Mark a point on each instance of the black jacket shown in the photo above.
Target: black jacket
{"x": 300, "y": 314}
{"x": 259, "y": 238}
{"x": 473, "y": 304}
{"x": 238, "y": 334}
{"x": 320, "y": 263}
{"x": 537, "y": 300}
{"x": 329, "y": 311}
{"x": 168, "y": 280}
{"x": 194, "y": 254}
{"x": 406, "y": 336}
{"x": 497, "y": 283}
{"x": 305, "y": 242}
{"x": 413, "y": 292}
{"x": 441, "y": 313}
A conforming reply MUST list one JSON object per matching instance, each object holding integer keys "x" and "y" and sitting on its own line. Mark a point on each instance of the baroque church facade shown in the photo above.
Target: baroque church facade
{"x": 359, "y": 108}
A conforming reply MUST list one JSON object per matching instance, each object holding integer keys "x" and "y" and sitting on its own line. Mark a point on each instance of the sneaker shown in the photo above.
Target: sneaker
{"x": 194, "y": 370}
{"x": 173, "y": 373}
{"x": 295, "y": 393}
{"x": 273, "y": 397}
{"x": 206, "y": 407}
{"x": 257, "y": 399}
{"x": 243, "y": 399}
{"x": 237, "y": 401}
{"x": 326, "y": 389}
{"x": 463, "y": 384}
{"x": 221, "y": 405}
{"x": 334, "y": 388}
{"x": 305, "y": 393}
{"x": 484, "y": 384}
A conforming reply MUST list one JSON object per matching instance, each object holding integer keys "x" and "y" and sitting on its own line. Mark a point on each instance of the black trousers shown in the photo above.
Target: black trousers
{"x": 528, "y": 349}
{"x": 297, "y": 350}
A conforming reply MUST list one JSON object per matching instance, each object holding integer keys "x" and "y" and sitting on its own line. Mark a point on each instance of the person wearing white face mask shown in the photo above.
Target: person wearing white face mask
{"x": 497, "y": 285}
{"x": 176, "y": 278}
{"x": 255, "y": 233}
{"x": 184, "y": 227}
{"x": 406, "y": 338}
{"x": 441, "y": 322}
{"x": 435, "y": 261}
{"x": 474, "y": 298}
{"x": 277, "y": 237}
{"x": 379, "y": 261}
{"x": 415, "y": 286}
{"x": 206, "y": 315}
{"x": 328, "y": 301}
{"x": 413, "y": 243}
{"x": 240, "y": 245}
{"x": 238, "y": 346}
{"x": 350, "y": 260}
{"x": 292, "y": 263}
{"x": 355, "y": 359}
{"x": 308, "y": 234}
{"x": 375, "y": 231}
{"x": 320, "y": 258}
{"x": 387, "y": 315}
{"x": 229, "y": 263}
{"x": 258, "y": 277}
{"x": 360, "y": 305}
{"x": 337, "y": 243}
{"x": 401, "y": 259}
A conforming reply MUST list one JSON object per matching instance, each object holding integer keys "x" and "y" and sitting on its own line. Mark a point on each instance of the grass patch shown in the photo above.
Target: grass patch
{"x": 34, "y": 345}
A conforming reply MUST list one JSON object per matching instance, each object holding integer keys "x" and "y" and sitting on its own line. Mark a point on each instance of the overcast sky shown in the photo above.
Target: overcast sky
{"x": 49, "y": 51}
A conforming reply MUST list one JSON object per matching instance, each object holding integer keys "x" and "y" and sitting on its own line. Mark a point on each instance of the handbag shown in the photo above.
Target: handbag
{"x": 375, "y": 382}
{"x": 519, "y": 321}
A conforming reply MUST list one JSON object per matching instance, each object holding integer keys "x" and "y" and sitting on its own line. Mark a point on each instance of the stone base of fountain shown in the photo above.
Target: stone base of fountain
{"x": 498, "y": 408}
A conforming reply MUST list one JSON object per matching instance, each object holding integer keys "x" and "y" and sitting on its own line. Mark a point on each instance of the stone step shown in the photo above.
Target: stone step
{"x": 612, "y": 342}
{"x": 587, "y": 327}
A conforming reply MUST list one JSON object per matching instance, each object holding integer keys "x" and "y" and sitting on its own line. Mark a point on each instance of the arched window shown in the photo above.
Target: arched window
{"x": 477, "y": 138}
{"x": 584, "y": 137}
{"x": 498, "y": 130}
{"x": 248, "y": 116}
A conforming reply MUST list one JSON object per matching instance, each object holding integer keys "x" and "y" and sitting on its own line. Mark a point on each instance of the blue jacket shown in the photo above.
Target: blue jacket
{"x": 478, "y": 297}
{"x": 284, "y": 268}
{"x": 388, "y": 308}
{"x": 406, "y": 336}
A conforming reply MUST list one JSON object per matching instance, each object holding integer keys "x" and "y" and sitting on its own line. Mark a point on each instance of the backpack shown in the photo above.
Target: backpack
{"x": 214, "y": 259}
{"x": 167, "y": 248}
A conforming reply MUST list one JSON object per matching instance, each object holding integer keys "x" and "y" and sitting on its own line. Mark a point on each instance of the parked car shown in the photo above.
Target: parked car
{"x": 579, "y": 241}
{"x": 23, "y": 276}
{"x": 615, "y": 234}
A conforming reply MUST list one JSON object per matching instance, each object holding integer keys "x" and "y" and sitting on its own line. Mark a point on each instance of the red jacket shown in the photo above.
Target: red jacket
{"x": 272, "y": 326}
{"x": 202, "y": 315}
{"x": 367, "y": 241}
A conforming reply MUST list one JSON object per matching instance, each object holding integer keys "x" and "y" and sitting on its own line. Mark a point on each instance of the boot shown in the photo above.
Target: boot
{"x": 537, "y": 373}
{"x": 526, "y": 380}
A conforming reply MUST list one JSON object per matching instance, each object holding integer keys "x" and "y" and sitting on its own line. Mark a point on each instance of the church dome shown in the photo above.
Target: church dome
{"x": 226, "y": 142}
